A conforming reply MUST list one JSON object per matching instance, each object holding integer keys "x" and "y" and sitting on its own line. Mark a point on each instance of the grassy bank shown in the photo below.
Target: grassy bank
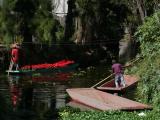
{"x": 72, "y": 114}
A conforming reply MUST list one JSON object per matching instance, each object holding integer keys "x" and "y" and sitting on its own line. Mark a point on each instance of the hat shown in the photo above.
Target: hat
{"x": 15, "y": 45}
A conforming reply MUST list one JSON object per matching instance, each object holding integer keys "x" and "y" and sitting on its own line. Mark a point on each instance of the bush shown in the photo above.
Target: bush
{"x": 148, "y": 69}
{"x": 70, "y": 114}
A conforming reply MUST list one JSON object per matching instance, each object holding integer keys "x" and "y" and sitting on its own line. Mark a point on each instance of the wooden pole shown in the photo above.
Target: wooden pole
{"x": 130, "y": 63}
{"x": 102, "y": 80}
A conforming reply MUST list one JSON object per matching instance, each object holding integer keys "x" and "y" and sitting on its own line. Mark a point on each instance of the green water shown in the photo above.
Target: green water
{"x": 38, "y": 97}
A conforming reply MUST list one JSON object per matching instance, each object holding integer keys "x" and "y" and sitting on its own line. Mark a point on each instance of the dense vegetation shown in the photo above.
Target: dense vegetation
{"x": 148, "y": 69}
{"x": 69, "y": 114}
{"x": 25, "y": 20}
{"x": 29, "y": 20}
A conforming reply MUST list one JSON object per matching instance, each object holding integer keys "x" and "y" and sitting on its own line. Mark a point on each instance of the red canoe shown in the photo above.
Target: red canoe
{"x": 110, "y": 85}
{"x": 103, "y": 101}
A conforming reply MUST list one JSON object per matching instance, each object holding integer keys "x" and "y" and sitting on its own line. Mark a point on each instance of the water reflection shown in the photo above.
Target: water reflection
{"x": 5, "y": 102}
{"x": 60, "y": 91}
{"x": 43, "y": 93}
{"x": 26, "y": 87}
{"x": 14, "y": 90}
{"x": 57, "y": 77}
{"x": 38, "y": 94}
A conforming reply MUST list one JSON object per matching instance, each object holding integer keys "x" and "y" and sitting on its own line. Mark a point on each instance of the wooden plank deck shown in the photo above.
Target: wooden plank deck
{"x": 104, "y": 101}
{"x": 80, "y": 106}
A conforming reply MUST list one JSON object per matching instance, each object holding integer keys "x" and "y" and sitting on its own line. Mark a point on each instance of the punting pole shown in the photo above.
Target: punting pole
{"x": 102, "y": 80}
{"x": 111, "y": 75}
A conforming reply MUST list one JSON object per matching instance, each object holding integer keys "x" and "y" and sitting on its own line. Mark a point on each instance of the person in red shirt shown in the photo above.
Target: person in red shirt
{"x": 14, "y": 57}
{"x": 117, "y": 70}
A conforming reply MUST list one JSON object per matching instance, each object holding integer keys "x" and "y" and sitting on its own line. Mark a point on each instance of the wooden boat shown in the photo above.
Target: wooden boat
{"x": 35, "y": 71}
{"x": 110, "y": 85}
{"x": 103, "y": 101}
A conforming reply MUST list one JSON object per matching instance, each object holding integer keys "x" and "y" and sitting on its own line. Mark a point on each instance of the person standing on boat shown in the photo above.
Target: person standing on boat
{"x": 14, "y": 57}
{"x": 118, "y": 72}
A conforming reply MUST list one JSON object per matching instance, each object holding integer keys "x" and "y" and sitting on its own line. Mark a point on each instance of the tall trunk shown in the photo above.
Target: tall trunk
{"x": 84, "y": 31}
{"x": 69, "y": 21}
{"x": 78, "y": 30}
{"x": 126, "y": 45}
{"x": 89, "y": 31}
{"x": 141, "y": 10}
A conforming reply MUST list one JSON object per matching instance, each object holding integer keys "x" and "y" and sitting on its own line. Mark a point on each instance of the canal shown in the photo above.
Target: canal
{"x": 38, "y": 97}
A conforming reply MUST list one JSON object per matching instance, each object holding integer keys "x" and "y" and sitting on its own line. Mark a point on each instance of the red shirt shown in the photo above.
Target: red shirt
{"x": 117, "y": 68}
{"x": 15, "y": 55}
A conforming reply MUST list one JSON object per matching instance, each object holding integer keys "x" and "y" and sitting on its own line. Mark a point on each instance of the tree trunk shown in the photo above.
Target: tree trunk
{"x": 84, "y": 31}
{"x": 78, "y": 31}
{"x": 141, "y": 9}
{"x": 126, "y": 45}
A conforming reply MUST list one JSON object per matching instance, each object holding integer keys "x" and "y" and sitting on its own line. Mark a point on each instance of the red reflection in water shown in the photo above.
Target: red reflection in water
{"x": 58, "y": 64}
{"x": 57, "y": 77}
{"x": 15, "y": 94}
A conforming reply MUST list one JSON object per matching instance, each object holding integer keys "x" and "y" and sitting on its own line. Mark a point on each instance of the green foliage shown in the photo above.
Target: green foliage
{"x": 7, "y": 21}
{"x": 9, "y": 5}
{"x": 27, "y": 18}
{"x": 70, "y": 114}
{"x": 148, "y": 69}
{"x": 59, "y": 33}
{"x": 108, "y": 18}
{"x": 44, "y": 23}
{"x": 44, "y": 29}
{"x": 150, "y": 29}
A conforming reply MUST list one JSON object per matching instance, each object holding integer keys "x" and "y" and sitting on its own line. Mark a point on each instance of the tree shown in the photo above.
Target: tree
{"x": 27, "y": 19}
{"x": 8, "y": 21}
{"x": 98, "y": 20}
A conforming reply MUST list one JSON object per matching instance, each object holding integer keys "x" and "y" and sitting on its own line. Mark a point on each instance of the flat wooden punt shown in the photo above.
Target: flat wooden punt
{"x": 81, "y": 106}
{"x": 110, "y": 85}
{"x": 103, "y": 101}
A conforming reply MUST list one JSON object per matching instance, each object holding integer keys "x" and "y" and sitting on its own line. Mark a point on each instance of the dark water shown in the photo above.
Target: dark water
{"x": 39, "y": 97}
